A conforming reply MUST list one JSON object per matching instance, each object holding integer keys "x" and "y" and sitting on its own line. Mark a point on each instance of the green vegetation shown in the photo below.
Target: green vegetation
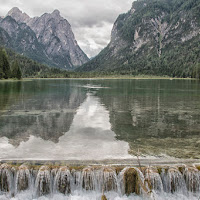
{"x": 168, "y": 46}
{"x": 16, "y": 71}
{"x": 174, "y": 54}
{"x": 16, "y": 66}
{"x": 6, "y": 71}
{"x": 4, "y": 65}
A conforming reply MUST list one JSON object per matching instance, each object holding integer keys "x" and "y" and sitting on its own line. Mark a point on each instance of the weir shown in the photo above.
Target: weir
{"x": 145, "y": 182}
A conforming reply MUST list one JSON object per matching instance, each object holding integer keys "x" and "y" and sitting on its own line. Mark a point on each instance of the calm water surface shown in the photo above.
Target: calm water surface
{"x": 99, "y": 119}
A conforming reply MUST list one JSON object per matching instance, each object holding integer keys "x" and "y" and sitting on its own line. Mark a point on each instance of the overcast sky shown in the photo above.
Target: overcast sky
{"x": 91, "y": 20}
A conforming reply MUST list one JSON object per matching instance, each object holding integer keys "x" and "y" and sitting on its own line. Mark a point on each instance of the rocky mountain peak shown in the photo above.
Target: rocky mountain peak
{"x": 50, "y": 36}
{"x": 18, "y": 15}
{"x": 15, "y": 10}
{"x": 56, "y": 13}
{"x": 55, "y": 33}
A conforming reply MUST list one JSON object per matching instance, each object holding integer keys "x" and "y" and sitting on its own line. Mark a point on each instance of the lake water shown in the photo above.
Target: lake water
{"x": 99, "y": 119}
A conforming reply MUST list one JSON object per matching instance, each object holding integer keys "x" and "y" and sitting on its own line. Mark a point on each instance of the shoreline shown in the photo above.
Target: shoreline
{"x": 102, "y": 78}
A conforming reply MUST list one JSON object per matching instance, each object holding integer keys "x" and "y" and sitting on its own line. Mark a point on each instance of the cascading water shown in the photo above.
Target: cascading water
{"x": 108, "y": 179}
{"x": 192, "y": 178}
{"x": 43, "y": 184}
{"x": 153, "y": 179}
{"x": 62, "y": 181}
{"x": 23, "y": 179}
{"x": 88, "y": 179}
{"x": 173, "y": 180}
{"x": 90, "y": 183}
{"x": 6, "y": 178}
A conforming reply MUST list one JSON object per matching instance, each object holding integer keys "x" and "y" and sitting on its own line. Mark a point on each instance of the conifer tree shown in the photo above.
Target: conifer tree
{"x": 198, "y": 70}
{"x": 16, "y": 71}
{"x": 4, "y": 65}
{"x": 1, "y": 65}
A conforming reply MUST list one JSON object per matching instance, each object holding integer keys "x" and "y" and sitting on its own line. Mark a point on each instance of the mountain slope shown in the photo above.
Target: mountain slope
{"x": 31, "y": 68}
{"x": 22, "y": 39}
{"x": 55, "y": 33}
{"x": 47, "y": 39}
{"x": 159, "y": 37}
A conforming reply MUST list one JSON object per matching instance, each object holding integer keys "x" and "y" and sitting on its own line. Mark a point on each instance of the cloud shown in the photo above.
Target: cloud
{"x": 91, "y": 20}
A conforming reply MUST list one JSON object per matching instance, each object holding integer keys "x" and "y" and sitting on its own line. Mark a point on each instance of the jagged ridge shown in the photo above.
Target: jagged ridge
{"x": 47, "y": 39}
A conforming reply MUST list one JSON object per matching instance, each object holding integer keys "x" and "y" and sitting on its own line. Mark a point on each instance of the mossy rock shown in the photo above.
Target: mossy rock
{"x": 159, "y": 169}
{"x": 118, "y": 169}
{"x": 103, "y": 197}
{"x": 181, "y": 169}
{"x": 131, "y": 181}
{"x": 198, "y": 167}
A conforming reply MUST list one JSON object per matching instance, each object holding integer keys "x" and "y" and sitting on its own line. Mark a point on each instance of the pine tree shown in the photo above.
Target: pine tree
{"x": 198, "y": 70}
{"x": 1, "y": 65}
{"x": 16, "y": 71}
{"x": 6, "y": 65}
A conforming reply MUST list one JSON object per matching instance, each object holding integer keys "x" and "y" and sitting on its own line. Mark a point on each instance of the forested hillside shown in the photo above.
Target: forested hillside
{"x": 27, "y": 68}
{"x": 156, "y": 37}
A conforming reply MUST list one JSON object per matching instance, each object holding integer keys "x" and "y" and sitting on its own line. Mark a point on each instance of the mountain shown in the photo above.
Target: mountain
{"x": 22, "y": 39}
{"x": 55, "y": 118}
{"x": 47, "y": 39}
{"x": 18, "y": 15}
{"x": 159, "y": 37}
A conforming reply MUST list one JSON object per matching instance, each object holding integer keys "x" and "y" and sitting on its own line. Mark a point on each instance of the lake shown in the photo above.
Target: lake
{"x": 71, "y": 119}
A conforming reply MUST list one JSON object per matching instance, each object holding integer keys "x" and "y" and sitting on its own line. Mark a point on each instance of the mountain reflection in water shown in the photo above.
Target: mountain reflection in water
{"x": 89, "y": 137}
{"x": 99, "y": 119}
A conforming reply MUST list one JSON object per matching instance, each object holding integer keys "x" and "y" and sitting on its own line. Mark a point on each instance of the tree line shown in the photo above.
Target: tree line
{"x": 7, "y": 69}
{"x": 173, "y": 64}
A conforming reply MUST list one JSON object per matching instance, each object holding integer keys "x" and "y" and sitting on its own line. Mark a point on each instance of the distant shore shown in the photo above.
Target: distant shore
{"x": 101, "y": 78}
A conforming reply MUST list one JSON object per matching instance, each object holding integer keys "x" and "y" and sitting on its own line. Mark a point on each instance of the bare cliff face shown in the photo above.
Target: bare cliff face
{"x": 154, "y": 25}
{"x": 18, "y": 15}
{"x": 50, "y": 36}
{"x": 55, "y": 33}
{"x": 22, "y": 39}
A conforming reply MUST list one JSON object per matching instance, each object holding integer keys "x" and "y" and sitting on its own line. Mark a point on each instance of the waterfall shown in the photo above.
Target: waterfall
{"x": 88, "y": 179}
{"x": 43, "y": 184}
{"x": 23, "y": 178}
{"x": 6, "y": 179}
{"x": 108, "y": 179}
{"x": 63, "y": 182}
{"x": 153, "y": 179}
{"x": 144, "y": 182}
{"x": 173, "y": 180}
{"x": 192, "y": 177}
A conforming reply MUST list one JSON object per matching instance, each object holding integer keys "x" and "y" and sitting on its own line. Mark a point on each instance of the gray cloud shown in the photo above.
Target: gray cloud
{"x": 91, "y": 20}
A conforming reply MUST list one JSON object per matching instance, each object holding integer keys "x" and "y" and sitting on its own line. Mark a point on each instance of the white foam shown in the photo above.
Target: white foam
{"x": 97, "y": 196}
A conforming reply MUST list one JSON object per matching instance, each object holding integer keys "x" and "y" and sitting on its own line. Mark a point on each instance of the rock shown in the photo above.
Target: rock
{"x": 47, "y": 39}
{"x": 17, "y": 14}
{"x": 103, "y": 197}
